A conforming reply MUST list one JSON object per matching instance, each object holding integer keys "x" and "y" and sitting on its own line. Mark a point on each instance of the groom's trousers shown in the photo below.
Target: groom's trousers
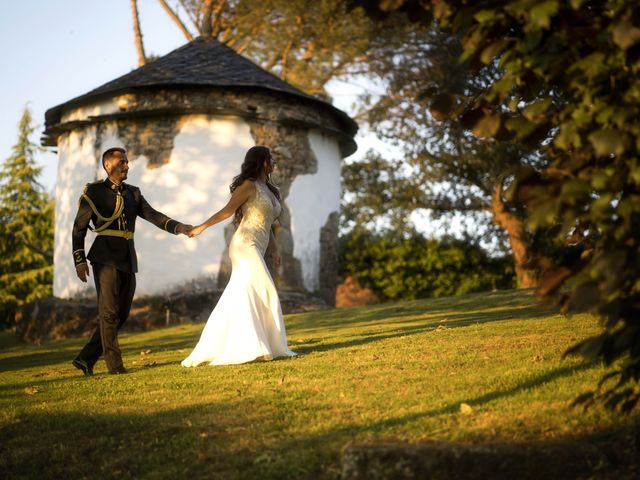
{"x": 115, "y": 289}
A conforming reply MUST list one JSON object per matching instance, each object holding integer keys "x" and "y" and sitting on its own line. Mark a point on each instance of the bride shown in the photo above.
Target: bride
{"x": 247, "y": 322}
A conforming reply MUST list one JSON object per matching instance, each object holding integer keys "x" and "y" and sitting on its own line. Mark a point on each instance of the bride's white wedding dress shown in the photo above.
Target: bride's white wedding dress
{"x": 247, "y": 322}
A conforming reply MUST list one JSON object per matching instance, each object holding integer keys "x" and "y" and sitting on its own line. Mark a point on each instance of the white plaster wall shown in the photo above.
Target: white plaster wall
{"x": 311, "y": 200}
{"x": 100, "y": 108}
{"x": 76, "y": 168}
{"x": 207, "y": 154}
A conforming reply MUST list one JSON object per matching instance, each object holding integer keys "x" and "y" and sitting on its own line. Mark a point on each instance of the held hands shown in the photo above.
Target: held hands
{"x": 82, "y": 271}
{"x": 189, "y": 230}
{"x": 195, "y": 231}
{"x": 184, "y": 229}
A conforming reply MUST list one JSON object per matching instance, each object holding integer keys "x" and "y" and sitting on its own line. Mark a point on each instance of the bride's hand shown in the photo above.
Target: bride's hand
{"x": 276, "y": 259}
{"x": 195, "y": 231}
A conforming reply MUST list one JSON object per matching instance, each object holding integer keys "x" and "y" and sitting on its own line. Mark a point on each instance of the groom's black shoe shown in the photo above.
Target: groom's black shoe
{"x": 83, "y": 366}
{"x": 119, "y": 371}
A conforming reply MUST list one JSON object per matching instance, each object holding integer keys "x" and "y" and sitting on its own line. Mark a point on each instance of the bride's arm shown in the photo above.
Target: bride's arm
{"x": 238, "y": 198}
{"x": 272, "y": 249}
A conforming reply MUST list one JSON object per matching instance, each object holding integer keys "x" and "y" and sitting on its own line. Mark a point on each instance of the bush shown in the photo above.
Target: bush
{"x": 416, "y": 267}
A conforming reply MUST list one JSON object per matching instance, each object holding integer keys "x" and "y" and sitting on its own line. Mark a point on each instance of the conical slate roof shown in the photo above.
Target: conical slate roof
{"x": 199, "y": 63}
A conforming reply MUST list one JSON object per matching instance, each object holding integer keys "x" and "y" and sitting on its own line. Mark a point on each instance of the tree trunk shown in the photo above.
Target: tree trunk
{"x": 206, "y": 30}
{"x": 517, "y": 238}
{"x": 142, "y": 58}
{"x": 176, "y": 19}
{"x": 216, "y": 23}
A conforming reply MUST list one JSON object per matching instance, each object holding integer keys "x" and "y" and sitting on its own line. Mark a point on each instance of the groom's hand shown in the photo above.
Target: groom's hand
{"x": 184, "y": 229}
{"x": 82, "y": 271}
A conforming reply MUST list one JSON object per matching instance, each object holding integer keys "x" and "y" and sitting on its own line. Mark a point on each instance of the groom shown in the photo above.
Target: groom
{"x": 112, "y": 206}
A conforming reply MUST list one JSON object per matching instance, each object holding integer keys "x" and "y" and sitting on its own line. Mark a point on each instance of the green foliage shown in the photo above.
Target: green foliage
{"x": 374, "y": 189}
{"x": 446, "y": 167}
{"x": 398, "y": 268}
{"x": 306, "y": 42}
{"x": 26, "y": 229}
{"x": 569, "y": 84}
{"x": 445, "y": 171}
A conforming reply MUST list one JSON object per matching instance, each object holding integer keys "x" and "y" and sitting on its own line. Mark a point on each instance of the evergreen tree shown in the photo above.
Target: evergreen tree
{"x": 26, "y": 228}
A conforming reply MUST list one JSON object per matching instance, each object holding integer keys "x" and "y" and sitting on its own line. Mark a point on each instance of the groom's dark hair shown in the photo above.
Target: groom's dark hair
{"x": 111, "y": 153}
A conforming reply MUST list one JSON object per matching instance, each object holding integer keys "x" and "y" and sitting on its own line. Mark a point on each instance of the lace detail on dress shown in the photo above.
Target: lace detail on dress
{"x": 257, "y": 217}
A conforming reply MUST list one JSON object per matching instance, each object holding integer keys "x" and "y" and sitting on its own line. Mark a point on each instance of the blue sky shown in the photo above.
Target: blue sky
{"x": 55, "y": 50}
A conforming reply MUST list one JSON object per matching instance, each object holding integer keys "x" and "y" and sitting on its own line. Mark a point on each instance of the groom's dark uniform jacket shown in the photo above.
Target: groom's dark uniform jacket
{"x": 113, "y": 245}
{"x": 113, "y": 210}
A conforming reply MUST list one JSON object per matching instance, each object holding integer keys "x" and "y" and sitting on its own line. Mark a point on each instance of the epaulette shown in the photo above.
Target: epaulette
{"x": 86, "y": 187}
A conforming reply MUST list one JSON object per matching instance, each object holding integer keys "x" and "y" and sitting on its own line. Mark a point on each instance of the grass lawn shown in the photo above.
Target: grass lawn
{"x": 392, "y": 372}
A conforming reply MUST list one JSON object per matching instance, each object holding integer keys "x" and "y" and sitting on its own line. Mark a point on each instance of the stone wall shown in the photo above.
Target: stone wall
{"x": 601, "y": 458}
{"x": 147, "y": 124}
{"x": 329, "y": 259}
{"x": 152, "y": 137}
{"x": 148, "y": 121}
{"x": 54, "y": 318}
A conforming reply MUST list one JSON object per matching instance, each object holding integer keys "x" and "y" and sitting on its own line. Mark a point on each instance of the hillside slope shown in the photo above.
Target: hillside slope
{"x": 391, "y": 372}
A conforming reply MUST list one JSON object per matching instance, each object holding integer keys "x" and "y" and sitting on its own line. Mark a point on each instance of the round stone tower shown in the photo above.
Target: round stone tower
{"x": 187, "y": 120}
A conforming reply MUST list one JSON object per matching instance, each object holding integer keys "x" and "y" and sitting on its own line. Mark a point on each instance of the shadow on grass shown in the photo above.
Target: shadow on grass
{"x": 45, "y": 358}
{"x": 63, "y": 351}
{"x": 450, "y": 322}
{"x": 176, "y": 341}
{"x": 225, "y": 439}
{"x": 474, "y": 308}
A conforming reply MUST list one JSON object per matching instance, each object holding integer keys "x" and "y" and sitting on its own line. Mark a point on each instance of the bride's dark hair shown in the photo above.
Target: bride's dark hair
{"x": 251, "y": 169}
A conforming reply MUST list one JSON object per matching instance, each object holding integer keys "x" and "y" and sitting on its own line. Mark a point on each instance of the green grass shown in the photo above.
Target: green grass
{"x": 393, "y": 372}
